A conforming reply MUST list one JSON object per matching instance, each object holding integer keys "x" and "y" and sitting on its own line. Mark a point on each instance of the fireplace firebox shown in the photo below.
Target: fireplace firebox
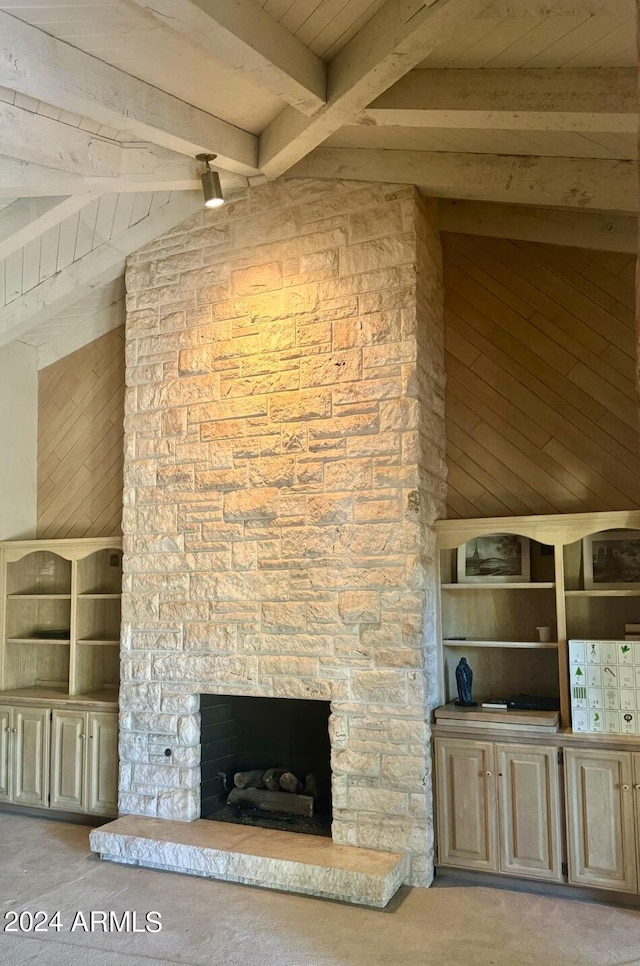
{"x": 267, "y": 762}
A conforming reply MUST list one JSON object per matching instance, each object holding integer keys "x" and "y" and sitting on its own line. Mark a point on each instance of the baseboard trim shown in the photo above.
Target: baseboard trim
{"x": 55, "y": 815}
{"x": 447, "y": 877}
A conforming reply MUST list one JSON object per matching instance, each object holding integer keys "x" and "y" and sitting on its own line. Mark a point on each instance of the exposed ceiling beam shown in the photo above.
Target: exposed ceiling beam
{"x": 244, "y": 37}
{"x": 34, "y": 137}
{"x": 40, "y": 66}
{"x": 23, "y": 211}
{"x": 397, "y": 38}
{"x": 578, "y": 229}
{"x": 104, "y": 264}
{"x": 32, "y": 142}
{"x": 19, "y": 179}
{"x": 519, "y": 100}
{"x": 45, "y": 212}
{"x": 558, "y": 182}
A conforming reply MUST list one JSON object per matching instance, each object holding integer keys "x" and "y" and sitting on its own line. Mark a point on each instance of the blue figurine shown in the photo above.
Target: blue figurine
{"x": 464, "y": 680}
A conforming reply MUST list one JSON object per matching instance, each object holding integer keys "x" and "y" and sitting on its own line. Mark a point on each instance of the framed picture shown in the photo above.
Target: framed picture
{"x": 612, "y": 560}
{"x": 499, "y": 558}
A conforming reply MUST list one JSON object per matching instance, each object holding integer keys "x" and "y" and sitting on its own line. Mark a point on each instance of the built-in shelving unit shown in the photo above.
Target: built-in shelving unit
{"x": 61, "y": 616}
{"x": 534, "y": 798}
{"x": 496, "y": 621}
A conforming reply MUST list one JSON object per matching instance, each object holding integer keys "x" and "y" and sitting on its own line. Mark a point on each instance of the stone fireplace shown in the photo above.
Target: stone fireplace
{"x": 242, "y": 736}
{"x": 284, "y": 465}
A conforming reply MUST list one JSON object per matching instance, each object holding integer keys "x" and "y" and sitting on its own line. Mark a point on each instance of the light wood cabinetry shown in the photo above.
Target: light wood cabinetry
{"x": 102, "y": 764}
{"x": 529, "y": 811}
{"x": 498, "y": 808}
{"x": 68, "y": 760}
{"x": 59, "y": 673}
{"x": 25, "y": 756}
{"x": 504, "y": 800}
{"x": 600, "y": 819}
{"x": 466, "y": 803}
{"x": 84, "y": 762}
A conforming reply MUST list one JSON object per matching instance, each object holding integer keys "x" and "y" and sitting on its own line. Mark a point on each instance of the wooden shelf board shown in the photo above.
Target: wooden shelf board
{"x": 536, "y": 585}
{"x": 55, "y": 696}
{"x": 476, "y": 715}
{"x": 99, "y": 596}
{"x": 39, "y": 596}
{"x": 539, "y": 645}
{"x": 98, "y": 642}
{"x": 602, "y": 593}
{"x": 38, "y": 640}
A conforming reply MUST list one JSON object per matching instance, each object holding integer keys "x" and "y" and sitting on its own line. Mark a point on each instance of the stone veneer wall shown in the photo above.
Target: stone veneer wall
{"x": 284, "y": 462}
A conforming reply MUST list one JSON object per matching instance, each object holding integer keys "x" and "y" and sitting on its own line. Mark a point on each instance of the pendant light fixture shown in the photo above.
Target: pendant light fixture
{"x": 211, "y": 187}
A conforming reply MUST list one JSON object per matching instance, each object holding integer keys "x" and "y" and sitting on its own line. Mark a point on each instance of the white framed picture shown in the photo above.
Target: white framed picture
{"x": 497, "y": 558}
{"x": 612, "y": 560}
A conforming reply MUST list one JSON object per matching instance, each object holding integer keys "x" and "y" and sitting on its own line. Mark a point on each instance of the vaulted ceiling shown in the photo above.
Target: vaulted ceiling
{"x": 520, "y": 114}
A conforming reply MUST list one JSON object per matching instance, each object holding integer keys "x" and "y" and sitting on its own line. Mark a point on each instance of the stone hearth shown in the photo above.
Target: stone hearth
{"x": 284, "y": 466}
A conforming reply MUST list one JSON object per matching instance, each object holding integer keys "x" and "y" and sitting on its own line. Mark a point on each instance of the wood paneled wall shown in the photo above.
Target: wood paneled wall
{"x": 80, "y": 433}
{"x": 541, "y": 401}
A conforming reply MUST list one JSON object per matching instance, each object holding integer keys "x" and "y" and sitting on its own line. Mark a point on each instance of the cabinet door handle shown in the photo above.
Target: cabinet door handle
{"x": 8, "y": 729}
{"x": 14, "y": 731}
{"x": 82, "y": 737}
{"x": 637, "y": 788}
{"x": 499, "y": 774}
{"x": 488, "y": 774}
{"x": 625, "y": 788}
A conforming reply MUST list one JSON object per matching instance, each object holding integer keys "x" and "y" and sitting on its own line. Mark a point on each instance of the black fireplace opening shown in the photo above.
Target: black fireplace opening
{"x": 267, "y": 762}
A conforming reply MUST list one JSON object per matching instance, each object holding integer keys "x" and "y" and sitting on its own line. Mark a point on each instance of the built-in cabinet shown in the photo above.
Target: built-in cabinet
{"x": 499, "y": 807}
{"x": 59, "y": 673}
{"x": 84, "y": 762}
{"x": 603, "y": 817}
{"x": 25, "y": 756}
{"x": 561, "y": 806}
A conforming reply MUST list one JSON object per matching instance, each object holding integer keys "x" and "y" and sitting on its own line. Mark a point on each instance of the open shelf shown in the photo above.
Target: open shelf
{"x": 545, "y": 645}
{"x": 99, "y": 596}
{"x": 602, "y": 593}
{"x": 98, "y": 643}
{"x": 61, "y": 614}
{"x": 38, "y": 640}
{"x": 39, "y": 596}
{"x": 536, "y": 585}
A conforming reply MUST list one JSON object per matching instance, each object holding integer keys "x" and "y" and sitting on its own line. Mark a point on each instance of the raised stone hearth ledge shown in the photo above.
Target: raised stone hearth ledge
{"x": 289, "y": 861}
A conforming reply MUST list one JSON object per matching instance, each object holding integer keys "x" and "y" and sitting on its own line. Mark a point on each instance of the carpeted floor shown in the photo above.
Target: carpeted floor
{"x": 47, "y": 866}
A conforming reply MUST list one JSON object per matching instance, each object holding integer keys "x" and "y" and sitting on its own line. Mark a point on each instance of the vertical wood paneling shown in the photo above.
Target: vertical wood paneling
{"x": 541, "y": 400}
{"x": 80, "y": 432}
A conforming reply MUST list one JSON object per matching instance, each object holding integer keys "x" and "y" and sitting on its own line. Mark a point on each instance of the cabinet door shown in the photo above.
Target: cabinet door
{"x": 30, "y": 756}
{"x": 529, "y": 811}
{"x": 465, "y": 786}
{"x": 5, "y": 745}
{"x": 68, "y": 743}
{"x": 102, "y": 796}
{"x": 601, "y": 844}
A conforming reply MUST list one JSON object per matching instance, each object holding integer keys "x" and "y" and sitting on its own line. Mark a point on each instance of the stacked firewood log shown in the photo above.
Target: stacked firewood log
{"x": 274, "y": 790}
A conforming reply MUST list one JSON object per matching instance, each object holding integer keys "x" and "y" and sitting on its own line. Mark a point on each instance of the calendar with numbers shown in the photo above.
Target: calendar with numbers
{"x": 605, "y": 686}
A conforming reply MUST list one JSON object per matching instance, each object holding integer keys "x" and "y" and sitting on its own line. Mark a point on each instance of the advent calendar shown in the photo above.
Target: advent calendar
{"x": 605, "y": 687}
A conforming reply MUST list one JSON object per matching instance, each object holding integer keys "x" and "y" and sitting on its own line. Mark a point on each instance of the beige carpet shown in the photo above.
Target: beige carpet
{"x": 47, "y": 866}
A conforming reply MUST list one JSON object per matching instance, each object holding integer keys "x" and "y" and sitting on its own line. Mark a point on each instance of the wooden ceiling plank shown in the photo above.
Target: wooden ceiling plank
{"x": 40, "y": 66}
{"x": 557, "y": 182}
{"x": 244, "y": 37}
{"x": 33, "y": 217}
{"x": 98, "y": 267}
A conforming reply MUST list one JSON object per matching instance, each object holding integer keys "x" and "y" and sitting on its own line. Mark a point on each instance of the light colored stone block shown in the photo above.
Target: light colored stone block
{"x": 263, "y": 857}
